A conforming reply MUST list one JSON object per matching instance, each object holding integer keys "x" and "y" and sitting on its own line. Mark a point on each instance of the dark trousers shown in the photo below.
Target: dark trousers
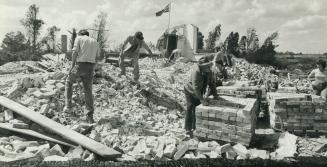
{"x": 318, "y": 88}
{"x": 191, "y": 103}
{"x": 84, "y": 72}
{"x": 135, "y": 62}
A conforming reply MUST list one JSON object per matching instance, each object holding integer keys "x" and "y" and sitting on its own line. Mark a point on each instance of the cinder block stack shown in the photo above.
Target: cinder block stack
{"x": 256, "y": 92}
{"x": 297, "y": 112}
{"x": 229, "y": 119}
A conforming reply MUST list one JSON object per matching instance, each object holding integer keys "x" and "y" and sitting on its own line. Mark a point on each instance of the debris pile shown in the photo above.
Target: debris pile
{"x": 146, "y": 122}
{"x": 15, "y": 148}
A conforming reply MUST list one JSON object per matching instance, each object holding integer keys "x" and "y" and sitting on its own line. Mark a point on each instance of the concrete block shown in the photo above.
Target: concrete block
{"x": 241, "y": 150}
{"x": 44, "y": 108}
{"x": 160, "y": 151}
{"x": 226, "y": 147}
{"x": 170, "y": 150}
{"x": 9, "y": 115}
{"x": 56, "y": 150}
{"x": 181, "y": 151}
{"x": 36, "y": 149}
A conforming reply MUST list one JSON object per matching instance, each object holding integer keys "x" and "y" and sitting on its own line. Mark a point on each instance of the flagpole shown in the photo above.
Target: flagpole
{"x": 168, "y": 31}
{"x": 169, "y": 15}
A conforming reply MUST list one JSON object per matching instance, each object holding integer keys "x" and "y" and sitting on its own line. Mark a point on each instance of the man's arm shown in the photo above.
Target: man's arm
{"x": 197, "y": 85}
{"x": 311, "y": 75}
{"x": 124, "y": 44}
{"x": 74, "y": 56}
{"x": 212, "y": 86}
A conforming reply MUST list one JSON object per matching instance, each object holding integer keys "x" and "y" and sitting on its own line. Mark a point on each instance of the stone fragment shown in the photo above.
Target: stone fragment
{"x": 75, "y": 153}
{"x": 56, "y": 150}
{"x": 55, "y": 158}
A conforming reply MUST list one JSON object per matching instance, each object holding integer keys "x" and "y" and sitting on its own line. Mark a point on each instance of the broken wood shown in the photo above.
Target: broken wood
{"x": 33, "y": 133}
{"x": 36, "y": 68}
{"x": 59, "y": 129}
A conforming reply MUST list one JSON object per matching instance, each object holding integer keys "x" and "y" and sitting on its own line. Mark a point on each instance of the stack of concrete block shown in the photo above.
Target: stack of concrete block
{"x": 297, "y": 112}
{"x": 229, "y": 119}
{"x": 256, "y": 92}
{"x": 245, "y": 92}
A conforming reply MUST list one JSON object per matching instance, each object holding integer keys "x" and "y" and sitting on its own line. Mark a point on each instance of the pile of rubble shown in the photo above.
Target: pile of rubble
{"x": 141, "y": 123}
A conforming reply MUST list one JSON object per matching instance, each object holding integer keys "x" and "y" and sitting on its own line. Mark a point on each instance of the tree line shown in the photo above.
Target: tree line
{"x": 19, "y": 46}
{"x": 246, "y": 46}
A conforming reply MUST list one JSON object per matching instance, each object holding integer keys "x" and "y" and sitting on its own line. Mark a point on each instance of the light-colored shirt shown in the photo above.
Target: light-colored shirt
{"x": 320, "y": 77}
{"x": 134, "y": 45}
{"x": 87, "y": 49}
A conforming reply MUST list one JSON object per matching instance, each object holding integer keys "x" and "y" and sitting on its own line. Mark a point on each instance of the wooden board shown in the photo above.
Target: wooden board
{"x": 33, "y": 133}
{"x": 88, "y": 143}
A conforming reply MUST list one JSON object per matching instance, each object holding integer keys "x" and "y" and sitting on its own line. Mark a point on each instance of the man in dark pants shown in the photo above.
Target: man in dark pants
{"x": 85, "y": 52}
{"x": 201, "y": 77}
{"x": 136, "y": 42}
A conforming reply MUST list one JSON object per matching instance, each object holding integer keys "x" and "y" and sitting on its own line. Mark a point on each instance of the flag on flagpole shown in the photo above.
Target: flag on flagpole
{"x": 166, "y": 9}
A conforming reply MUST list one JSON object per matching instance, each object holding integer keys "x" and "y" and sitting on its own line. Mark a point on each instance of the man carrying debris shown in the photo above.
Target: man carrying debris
{"x": 85, "y": 52}
{"x": 135, "y": 42}
{"x": 202, "y": 76}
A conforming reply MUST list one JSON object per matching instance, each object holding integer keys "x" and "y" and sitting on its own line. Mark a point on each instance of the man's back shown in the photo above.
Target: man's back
{"x": 87, "y": 49}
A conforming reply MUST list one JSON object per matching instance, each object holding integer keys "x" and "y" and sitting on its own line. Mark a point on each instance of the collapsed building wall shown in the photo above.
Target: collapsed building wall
{"x": 183, "y": 38}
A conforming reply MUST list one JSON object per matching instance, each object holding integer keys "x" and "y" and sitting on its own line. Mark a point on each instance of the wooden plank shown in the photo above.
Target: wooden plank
{"x": 33, "y": 133}
{"x": 59, "y": 129}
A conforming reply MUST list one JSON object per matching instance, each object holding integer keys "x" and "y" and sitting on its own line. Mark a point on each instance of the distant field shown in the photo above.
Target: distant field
{"x": 304, "y": 62}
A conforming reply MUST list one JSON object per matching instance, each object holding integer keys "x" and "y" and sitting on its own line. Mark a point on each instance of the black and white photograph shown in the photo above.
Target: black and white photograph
{"x": 137, "y": 83}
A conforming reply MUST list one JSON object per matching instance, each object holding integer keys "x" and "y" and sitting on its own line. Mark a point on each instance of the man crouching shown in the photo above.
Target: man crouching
{"x": 202, "y": 76}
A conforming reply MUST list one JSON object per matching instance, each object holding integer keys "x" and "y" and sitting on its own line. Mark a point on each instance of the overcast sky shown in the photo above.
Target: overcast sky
{"x": 302, "y": 24}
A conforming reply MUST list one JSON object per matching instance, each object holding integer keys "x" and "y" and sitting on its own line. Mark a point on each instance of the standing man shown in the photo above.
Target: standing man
{"x": 201, "y": 77}
{"x": 135, "y": 42}
{"x": 85, "y": 52}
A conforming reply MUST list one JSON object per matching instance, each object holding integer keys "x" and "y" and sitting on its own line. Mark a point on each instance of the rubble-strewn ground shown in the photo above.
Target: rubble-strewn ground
{"x": 145, "y": 123}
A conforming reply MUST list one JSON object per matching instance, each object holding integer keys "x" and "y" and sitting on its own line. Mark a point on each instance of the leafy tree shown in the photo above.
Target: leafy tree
{"x": 33, "y": 25}
{"x": 231, "y": 43}
{"x": 100, "y": 33}
{"x": 72, "y": 37}
{"x": 14, "y": 42}
{"x": 252, "y": 40}
{"x": 50, "y": 38}
{"x": 242, "y": 46}
{"x": 200, "y": 38}
{"x": 267, "y": 50}
{"x": 213, "y": 38}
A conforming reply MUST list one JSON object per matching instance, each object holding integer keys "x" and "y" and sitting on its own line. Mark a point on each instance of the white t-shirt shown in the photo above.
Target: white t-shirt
{"x": 320, "y": 77}
{"x": 87, "y": 49}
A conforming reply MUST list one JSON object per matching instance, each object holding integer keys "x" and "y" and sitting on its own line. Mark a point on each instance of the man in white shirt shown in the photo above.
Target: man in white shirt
{"x": 85, "y": 52}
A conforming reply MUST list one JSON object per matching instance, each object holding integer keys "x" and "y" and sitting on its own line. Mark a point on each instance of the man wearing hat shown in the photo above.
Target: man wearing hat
{"x": 135, "y": 42}
{"x": 85, "y": 52}
{"x": 201, "y": 77}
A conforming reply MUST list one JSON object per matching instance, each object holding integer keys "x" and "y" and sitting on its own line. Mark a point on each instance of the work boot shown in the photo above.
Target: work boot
{"x": 189, "y": 133}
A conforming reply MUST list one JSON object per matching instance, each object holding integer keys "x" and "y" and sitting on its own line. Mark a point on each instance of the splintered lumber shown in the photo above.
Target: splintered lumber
{"x": 36, "y": 68}
{"x": 33, "y": 133}
{"x": 88, "y": 143}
